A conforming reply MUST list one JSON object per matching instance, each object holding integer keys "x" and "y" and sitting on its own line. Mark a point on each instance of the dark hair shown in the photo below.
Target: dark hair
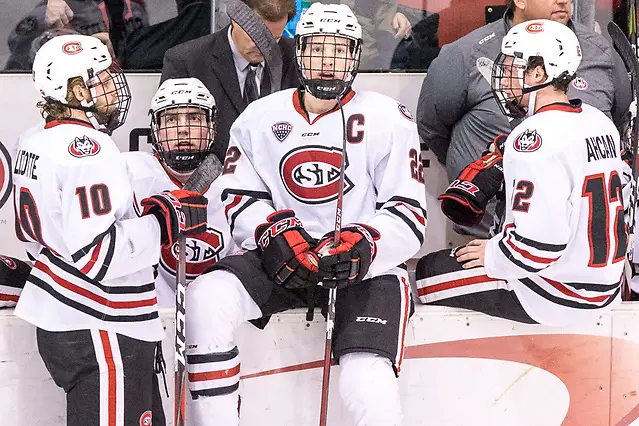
{"x": 560, "y": 84}
{"x": 273, "y": 10}
{"x": 510, "y": 4}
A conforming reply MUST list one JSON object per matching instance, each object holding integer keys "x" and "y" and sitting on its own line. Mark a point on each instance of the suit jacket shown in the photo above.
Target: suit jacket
{"x": 210, "y": 59}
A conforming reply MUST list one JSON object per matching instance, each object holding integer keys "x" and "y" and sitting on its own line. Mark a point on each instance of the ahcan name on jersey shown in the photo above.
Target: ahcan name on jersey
{"x": 311, "y": 173}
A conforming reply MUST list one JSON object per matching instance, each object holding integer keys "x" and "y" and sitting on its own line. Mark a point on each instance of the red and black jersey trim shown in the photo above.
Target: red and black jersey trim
{"x": 87, "y": 310}
{"x": 111, "y": 290}
{"x": 411, "y": 225}
{"x": 536, "y": 244}
{"x": 195, "y": 394}
{"x": 565, "y": 302}
{"x": 86, "y": 249}
{"x": 260, "y": 195}
{"x": 249, "y": 198}
{"x": 411, "y": 205}
{"x": 234, "y": 216}
{"x": 516, "y": 262}
{"x": 213, "y": 357}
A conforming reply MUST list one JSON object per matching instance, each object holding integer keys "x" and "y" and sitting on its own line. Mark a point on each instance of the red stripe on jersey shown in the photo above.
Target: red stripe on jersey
{"x": 528, "y": 255}
{"x": 54, "y": 123}
{"x": 300, "y": 109}
{"x": 111, "y": 378}
{"x": 94, "y": 258}
{"x": 562, "y": 288}
{"x": 419, "y": 218}
{"x": 8, "y": 298}
{"x": 405, "y": 322}
{"x": 456, "y": 283}
{"x": 236, "y": 201}
{"x": 214, "y": 375}
{"x": 92, "y": 296}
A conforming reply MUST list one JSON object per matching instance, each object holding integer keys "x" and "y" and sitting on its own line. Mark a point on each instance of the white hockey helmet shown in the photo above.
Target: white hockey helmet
{"x": 69, "y": 56}
{"x": 329, "y": 20}
{"x": 551, "y": 41}
{"x": 183, "y": 141}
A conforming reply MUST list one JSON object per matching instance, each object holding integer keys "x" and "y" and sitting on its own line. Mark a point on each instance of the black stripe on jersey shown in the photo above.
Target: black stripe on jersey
{"x": 109, "y": 256}
{"x": 215, "y": 391}
{"x": 240, "y": 210}
{"x": 87, "y": 310}
{"x": 260, "y": 195}
{"x": 30, "y": 257}
{"x": 408, "y": 222}
{"x": 86, "y": 249}
{"x": 217, "y": 357}
{"x": 404, "y": 200}
{"x": 537, "y": 244}
{"x": 602, "y": 288}
{"x": 565, "y": 302}
{"x": 111, "y": 290}
{"x": 510, "y": 257}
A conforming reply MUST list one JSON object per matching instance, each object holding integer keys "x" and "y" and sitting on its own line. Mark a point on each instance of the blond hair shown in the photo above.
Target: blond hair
{"x": 54, "y": 110}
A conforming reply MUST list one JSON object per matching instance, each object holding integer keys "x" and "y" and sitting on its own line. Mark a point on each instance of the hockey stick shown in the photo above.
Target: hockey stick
{"x": 629, "y": 57}
{"x": 332, "y": 293}
{"x": 202, "y": 177}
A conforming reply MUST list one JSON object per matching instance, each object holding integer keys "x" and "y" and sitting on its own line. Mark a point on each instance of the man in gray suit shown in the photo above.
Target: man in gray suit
{"x": 231, "y": 67}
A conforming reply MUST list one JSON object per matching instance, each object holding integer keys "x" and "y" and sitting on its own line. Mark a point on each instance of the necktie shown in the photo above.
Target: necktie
{"x": 250, "y": 85}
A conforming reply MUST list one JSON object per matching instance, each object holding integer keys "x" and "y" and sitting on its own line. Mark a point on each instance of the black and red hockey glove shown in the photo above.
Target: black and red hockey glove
{"x": 465, "y": 199}
{"x": 287, "y": 250}
{"x": 177, "y": 211}
{"x": 347, "y": 263}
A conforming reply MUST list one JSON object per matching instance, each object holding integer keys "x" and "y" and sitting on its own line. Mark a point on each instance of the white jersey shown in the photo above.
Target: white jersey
{"x": 564, "y": 241}
{"x": 148, "y": 177}
{"x": 93, "y": 256}
{"x": 279, "y": 158}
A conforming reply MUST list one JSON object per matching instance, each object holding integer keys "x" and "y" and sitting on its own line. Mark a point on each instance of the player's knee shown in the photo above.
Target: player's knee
{"x": 214, "y": 308}
{"x": 368, "y": 386}
{"x": 437, "y": 263}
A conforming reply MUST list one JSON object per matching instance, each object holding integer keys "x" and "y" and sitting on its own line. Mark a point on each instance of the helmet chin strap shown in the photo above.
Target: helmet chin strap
{"x": 532, "y": 92}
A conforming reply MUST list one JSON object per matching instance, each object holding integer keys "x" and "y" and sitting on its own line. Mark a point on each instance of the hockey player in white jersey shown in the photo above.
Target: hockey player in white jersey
{"x": 90, "y": 293}
{"x": 561, "y": 252}
{"x": 280, "y": 182}
{"x": 183, "y": 133}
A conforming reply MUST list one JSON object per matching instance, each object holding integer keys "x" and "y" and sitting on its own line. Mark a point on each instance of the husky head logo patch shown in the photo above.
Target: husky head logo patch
{"x": 281, "y": 130}
{"x": 528, "y": 141}
{"x": 83, "y": 146}
{"x": 580, "y": 83}
{"x": 311, "y": 173}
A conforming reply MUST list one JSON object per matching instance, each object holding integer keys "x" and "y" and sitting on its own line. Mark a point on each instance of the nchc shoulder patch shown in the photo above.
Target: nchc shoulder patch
{"x": 84, "y": 146}
{"x": 527, "y": 141}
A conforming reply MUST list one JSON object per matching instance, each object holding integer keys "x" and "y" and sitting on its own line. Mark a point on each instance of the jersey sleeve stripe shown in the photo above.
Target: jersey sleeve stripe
{"x": 405, "y": 200}
{"x": 528, "y": 255}
{"x": 508, "y": 254}
{"x": 536, "y": 244}
{"x": 235, "y": 202}
{"x": 567, "y": 302}
{"x": 106, "y": 262}
{"x": 411, "y": 225}
{"x": 238, "y": 211}
{"x": 94, "y": 257}
{"x": 563, "y": 289}
{"x": 260, "y": 195}
{"x": 86, "y": 249}
{"x": 215, "y": 375}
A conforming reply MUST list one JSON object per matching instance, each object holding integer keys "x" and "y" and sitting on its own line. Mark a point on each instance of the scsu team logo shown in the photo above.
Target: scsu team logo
{"x": 528, "y": 141}
{"x": 535, "y": 27}
{"x": 281, "y": 130}
{"x": 146, "y": 419}
{"x": 580, "y": 83}
{"x": 202, "y": 251}
{"x": 311, "y": 173}
{"x": 5, "y": 175}
{"x": 83, "y": 146}
{"x": 72, "y": 47}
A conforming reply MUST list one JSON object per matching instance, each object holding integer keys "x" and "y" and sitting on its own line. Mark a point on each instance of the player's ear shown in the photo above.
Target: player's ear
{"x": 80, "y": 92}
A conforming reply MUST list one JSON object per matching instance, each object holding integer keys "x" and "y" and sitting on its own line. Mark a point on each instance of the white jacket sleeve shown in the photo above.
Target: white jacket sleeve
{"x": 400, "y": 216}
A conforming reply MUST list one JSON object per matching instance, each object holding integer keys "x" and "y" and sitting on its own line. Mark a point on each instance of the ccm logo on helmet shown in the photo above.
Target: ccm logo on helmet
{"x": 311, "y": 173}
{"x": 535, "y": 27}
{"x": 72, "y": 47}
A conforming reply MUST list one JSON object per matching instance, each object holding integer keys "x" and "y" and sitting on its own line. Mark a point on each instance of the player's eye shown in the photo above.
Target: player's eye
{"x": 195, "y": 117}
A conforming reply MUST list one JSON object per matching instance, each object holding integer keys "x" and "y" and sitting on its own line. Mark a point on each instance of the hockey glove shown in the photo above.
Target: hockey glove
{"x": 286, "y": 250}
{"x": 465, "y": 200}
{"x": 347, "y": 263}
{"x": 177, "y": 211}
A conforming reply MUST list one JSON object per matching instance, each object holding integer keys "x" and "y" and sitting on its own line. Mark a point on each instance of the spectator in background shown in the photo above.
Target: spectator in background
{"x": 457, "y": 116}
{"x": 383, "y": 27}
{"x": 56, "y": 17}
{"x": 231, "y": 67}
